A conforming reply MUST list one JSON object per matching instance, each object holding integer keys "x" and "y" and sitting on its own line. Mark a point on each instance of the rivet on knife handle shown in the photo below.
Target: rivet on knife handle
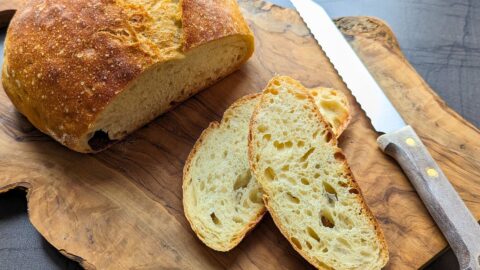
{"x": 442, "y": 201}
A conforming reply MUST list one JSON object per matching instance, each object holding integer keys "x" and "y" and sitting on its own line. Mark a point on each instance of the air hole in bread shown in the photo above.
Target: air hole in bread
{"x": 278, "y": 145}
{"x": 262, "y": 128}
{"x": 317, "y": 166}
{"x": 313, "y": 234}
{"x": 328, "y": 136}
{"x": 296, "y": 242}
{"x": 305, "y": 181}
{"x": 316, "y": 175}
{"x": 273, "y": 91}
{"x": 329, "y": 189}
{"x": 300, "y": 96}
{"x": 304, "y": 165}
{"x": 314, "y": 93}
{"x": 339, "y": 156}
{"x": 325, "y": 250}
{"x": 309, "y": 246}
{"x": 326, "y": 219}
{"x": 307, "y": 154}
{"x": 267, "y": 137}
{"x": 270, "y": 174}
{"x": 315, "y": 134}
{"x": 285, "y": 168}
{"x": 100, "y": 140}
{"x": 255, "y": 196}
{"x": 288, "y": 144}
{"x": 300, "y": 143}
{"x": 308, "y": 212}
{"x": 215, "y": 219}
{"x": 242, "y": 180}
{"x": 277, "y": 83}
{"x": 353, "y": 191}
{"x": 342, "y": 184}
{"x": 292, "y": 198}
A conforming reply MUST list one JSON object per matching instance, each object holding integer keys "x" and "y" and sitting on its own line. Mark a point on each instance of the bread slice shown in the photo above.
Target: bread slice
{"x": 127, "y": 62}
{"x": 222, "y": 201}
{"x": 308, "y": 187}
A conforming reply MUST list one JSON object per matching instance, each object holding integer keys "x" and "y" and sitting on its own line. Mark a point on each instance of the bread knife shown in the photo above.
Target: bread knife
{"x": 399, "y": 140}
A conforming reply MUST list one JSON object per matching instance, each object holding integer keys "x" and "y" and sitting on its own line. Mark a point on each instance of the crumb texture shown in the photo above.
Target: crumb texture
{"x": 308, "y": 186}
{"x": 222, "y": 199}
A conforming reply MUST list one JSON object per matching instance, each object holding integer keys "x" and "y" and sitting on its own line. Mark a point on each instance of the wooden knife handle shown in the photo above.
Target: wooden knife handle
{"x": 7, "y": 9}
{"x": 442, "y": 201}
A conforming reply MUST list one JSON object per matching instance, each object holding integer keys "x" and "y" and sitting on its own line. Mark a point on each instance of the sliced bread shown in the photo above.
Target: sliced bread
{"x": 308, "y": 187}
{"x": 222, "y": 201}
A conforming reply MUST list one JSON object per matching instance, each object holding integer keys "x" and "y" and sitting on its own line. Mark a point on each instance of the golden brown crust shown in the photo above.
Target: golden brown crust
{"x": 66, "y": 60}
{"x": 63, "y": 63}
{"x": 187, "y": 178}
{"x": 207, "y": 20}
{"x": 352, "y": 182}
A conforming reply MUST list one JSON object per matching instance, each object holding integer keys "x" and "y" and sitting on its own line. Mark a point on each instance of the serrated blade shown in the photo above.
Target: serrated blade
{"x": 363, "y": 86}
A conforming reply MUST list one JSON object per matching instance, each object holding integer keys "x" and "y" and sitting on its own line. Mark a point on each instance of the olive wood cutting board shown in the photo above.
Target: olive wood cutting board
{"x": 122, "y": 208}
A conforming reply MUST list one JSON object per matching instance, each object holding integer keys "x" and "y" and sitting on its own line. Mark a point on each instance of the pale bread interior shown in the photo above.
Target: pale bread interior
{"x": 222, "y": 200}
{"x": 219, "y": 194}
{"x": 166, "y": 84}
{"x": 307, "y": 184}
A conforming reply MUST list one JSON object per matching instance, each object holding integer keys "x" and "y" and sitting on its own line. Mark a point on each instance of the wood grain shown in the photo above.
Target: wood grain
{"x": 122, "y": 208}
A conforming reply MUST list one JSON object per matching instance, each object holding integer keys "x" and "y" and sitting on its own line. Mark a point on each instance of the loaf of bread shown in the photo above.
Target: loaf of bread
{"x": 222, "y": 200}
{"x": 89, "y": 72}
{"x": 308, "y": 187}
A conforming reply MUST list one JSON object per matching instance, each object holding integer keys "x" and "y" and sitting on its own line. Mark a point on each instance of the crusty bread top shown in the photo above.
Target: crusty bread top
{"x": 65, "y": 60}
{"x": 207, "y": 20}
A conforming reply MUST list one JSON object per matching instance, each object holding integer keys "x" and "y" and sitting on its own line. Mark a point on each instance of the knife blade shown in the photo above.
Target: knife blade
{"x": 399, "y": 139}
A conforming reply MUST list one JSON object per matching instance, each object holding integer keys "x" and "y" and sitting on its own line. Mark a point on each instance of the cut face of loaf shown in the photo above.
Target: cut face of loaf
{"x": 163, "y": 86}
{"x": 308, "y": 187}
{"x": 89, "y": 72}
{"x": 222, "y": 200}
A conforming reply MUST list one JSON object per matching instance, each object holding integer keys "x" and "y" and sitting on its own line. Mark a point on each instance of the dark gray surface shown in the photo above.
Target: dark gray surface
{"x": 441, "y": 39}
